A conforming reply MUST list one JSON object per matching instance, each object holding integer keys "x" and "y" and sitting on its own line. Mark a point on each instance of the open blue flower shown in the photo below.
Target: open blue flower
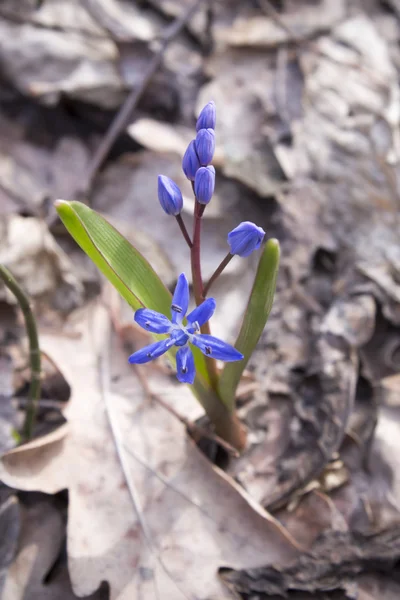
{"x": 181, "y": 335}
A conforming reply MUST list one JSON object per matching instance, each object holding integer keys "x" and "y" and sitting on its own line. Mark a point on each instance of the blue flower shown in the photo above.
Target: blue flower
{"x": 245, "y": 238}
{"x": 205, "y": 146}
{"x": 181, "y": 335}
{"x": 204, "y": 184}
{"x": 169, "y": 195}
{"x": 190, "y": 161}
{"x": 207, "y": 117}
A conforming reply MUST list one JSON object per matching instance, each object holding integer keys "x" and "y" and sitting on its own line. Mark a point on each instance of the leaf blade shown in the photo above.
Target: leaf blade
{"x": 254, "y": 320}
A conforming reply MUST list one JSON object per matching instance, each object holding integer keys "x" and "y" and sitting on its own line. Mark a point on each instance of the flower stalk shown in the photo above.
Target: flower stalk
{"x": 195, "y": 255}
{"x": 217, "y": 273}
{"x": 184, "y": 231}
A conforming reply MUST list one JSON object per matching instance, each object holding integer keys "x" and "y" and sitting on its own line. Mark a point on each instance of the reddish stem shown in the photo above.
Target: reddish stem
{"x": 195, "y": 256}
{"x": 198, "y": 284}
{"x": 182, "y": 227}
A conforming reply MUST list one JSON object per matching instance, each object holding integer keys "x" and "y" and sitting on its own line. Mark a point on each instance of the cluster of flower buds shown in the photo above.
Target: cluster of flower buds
{"x": 199, "y": 154}
{"x": 245, "y": 238}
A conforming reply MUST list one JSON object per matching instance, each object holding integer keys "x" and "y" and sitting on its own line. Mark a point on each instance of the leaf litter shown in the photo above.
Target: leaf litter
{"x": 308, "y": 147}
{"x": 140, "y": 493}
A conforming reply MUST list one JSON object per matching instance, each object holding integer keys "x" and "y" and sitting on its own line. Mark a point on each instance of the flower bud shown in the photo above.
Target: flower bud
{"x": 190, "y": 161}
{"x": 205, "y": 146}
{"x": 207, "y": 117}
{"x": 204, "y": 184}
{"x": 169, "y": 195}
{"x": 245, "y": 238}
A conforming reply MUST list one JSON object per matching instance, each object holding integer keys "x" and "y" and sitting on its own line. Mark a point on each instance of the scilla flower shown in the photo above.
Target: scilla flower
{"x": 169, "y": 195}
{"x": 245, "y": 238}
{"x": 182, "y": 335}
{"x": 207, "y": 117}
{"x": 204, "y": 184}
{"x": 205, "y": 146}
{"x": 190, "y": 161}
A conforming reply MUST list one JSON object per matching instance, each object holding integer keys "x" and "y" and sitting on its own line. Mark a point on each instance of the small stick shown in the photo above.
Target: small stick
{"x": 34, "y": 351}
{"x": 133, "y": 98}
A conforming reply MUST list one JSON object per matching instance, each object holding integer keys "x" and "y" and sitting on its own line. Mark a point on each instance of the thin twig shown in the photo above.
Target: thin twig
{"x": 34, "y": 351}
{"x": 133, "y": 98}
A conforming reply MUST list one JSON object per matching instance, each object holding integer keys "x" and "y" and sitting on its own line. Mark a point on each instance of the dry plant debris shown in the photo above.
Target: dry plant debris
{"x": 141, "y": 496}
{"x": 308, "y": 147}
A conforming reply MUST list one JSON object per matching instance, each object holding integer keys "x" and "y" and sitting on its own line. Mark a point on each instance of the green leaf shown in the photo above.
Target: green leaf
{"x": 256, "y": 315}
{"x": 129, "y": 272}
{"x": 117, "y": 259}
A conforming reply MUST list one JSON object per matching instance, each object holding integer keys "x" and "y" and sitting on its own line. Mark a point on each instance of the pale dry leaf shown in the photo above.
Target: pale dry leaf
{"x": 8, "y": 416}
{"x": 264, "y": 31}
{"x": 124, "y": 20}
{"x": 9, "y": 531}
{"x": 160, "y": 137}
{"x": 35, "y": 259}
{"x": 40, "y": 541}
{"x": 243, "y": 88}
{"x": 79, "y": 60}
{"x": 148, "y": 513}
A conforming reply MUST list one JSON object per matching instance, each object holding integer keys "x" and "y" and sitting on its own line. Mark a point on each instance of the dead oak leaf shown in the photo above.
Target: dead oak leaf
{"x": 147, "y": 512}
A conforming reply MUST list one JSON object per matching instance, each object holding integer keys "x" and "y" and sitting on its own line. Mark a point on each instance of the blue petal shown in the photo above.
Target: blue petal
{"x": 180, "y": 300}
{"x": 201, "y": 314}
{"x": 204, "y": 184}
{"x": 207, "y": 117}
{"x": 190, "y": 161}
{"x": 186, "y": 371}
{"x": 205, "y": 146}
{"x": 150, "y": 352}
{"x": 215, "y": 348}
{"x": 245, "y": 238}
{"x": 169, "y": 195}
{"x": 152, "y": 321}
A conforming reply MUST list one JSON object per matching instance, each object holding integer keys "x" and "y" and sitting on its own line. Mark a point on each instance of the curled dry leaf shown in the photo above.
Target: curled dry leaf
{"x": 148, "y": 513}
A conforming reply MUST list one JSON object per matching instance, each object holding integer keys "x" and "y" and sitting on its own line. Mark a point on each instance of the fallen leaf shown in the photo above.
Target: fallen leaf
{"x": 40, "y": 542}
{"x": 9, "y": 531}
{"x": 147, "y": 510}
{"x": 62, "y": 57}
{"x": 33, "y": 256}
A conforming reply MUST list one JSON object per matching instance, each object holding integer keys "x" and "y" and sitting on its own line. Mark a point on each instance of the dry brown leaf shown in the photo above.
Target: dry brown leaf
{"x": 72, "y": 56}
{"x": 43, "y": 269}
{"x": 42, "y": 535}
{"x": 9, "y": 531}
{"x": 148, "y": 513}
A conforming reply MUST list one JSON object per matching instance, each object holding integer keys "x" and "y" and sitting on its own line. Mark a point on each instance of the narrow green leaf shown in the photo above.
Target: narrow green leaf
{"x": 117, "y": 259}
{"x": 129, "y": 272}
{"x": 256, "y": 315}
